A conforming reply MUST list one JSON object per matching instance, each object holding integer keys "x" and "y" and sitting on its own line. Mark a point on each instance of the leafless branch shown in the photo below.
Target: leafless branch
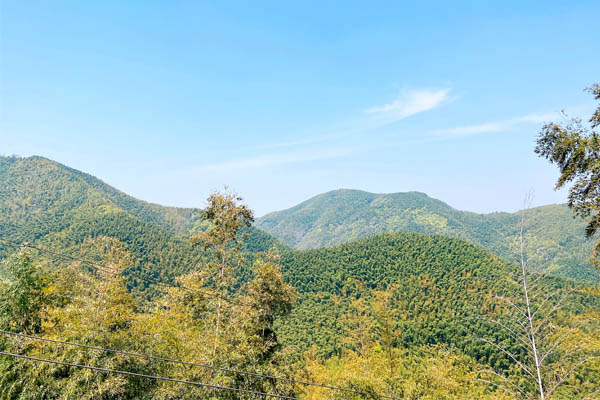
{"x": 512, "y": 304}
{"x": 558, "y": 304}
{"x": 505, "y": 380}
{"x": 513, "y": 394}
{"x": 508, "y": 353}
{"x": 506, "y": 329}
{"x": 564, "y": 376}
{"x": 560, "y": 340}
{"x": 534, "y": 284}
{"x": 543, "y": 303}
{"x": 547, "y": 334}
{"x": 589, "y": 395}
{"x": 565, "y": 358}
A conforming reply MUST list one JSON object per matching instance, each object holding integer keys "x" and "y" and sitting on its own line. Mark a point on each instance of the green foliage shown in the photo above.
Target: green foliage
{"x": 428, "y": 372}
{"x": 344, "y": 215}
{"x": 434, "y": 286}
{"x": 387, "y": 314}
{"x": 95, "y": 309}
{"x": 53, "y": 206}
{"x": 225, "y": 217}
{"x": 21, "y": 294}
{"x": 268, "y": 298}
{"x": 576, "y": 151}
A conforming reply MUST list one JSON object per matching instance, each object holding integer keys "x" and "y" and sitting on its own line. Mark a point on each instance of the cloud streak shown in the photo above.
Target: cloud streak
{"x": 492, "y": 127}
{"x": 407, "y": 104}
{"x": 269, "y": 160}
{"x": 411, "y": 103}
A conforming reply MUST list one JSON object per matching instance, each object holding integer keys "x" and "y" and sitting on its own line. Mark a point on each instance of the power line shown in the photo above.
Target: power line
{"x": 207, "y": 366}
{"x": 61, "y": 255}
{"x": 155, "y": 377}
{"x": 98, "y": 266}
{"x": 106, "y": 268}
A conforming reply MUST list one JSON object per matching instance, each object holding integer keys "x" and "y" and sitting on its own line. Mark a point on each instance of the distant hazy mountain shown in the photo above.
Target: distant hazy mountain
{"x": 555, "y": 237}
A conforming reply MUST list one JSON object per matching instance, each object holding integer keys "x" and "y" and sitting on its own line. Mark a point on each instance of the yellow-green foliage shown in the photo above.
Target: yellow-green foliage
{"x": 424, "y": 373}
{"x": 387, "y": 314}
{"x": 54, "y": 206}
{"x": 96, "y": 309}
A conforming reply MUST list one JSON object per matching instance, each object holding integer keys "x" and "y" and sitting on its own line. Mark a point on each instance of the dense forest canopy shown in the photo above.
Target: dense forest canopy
{"x": 49, "y": 204}
{"x": 344, "y": 215}
{"x": 92, "y": 278}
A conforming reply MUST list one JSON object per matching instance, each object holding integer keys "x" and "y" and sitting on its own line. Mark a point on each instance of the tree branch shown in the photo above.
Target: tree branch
{"x": 508, "y": 353}
{"x": 560, "y": 340}
{"x": 513, "y": 394}
{"x": 505, "y": 379}
{"x": 552, "y": 311}
{"x": 564, "y": 376}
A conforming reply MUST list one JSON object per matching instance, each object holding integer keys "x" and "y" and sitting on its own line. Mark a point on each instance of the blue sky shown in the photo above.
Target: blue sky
{"x": 168, "y": 101}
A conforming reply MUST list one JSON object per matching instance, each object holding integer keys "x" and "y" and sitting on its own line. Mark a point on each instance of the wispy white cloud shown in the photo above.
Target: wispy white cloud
{"x": 411, "y": 103}
{"x": 498, "y": 126}
{"x": 538, "y": 118}
{"x": 270, "y": 160}
{"x": 472, "y": 129}
{"x": 407, "y": 104}
{"x": 301, "y": 142}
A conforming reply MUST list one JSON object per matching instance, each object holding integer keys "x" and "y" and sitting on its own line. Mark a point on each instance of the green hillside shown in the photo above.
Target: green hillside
{"x": 435, "y": 280}
{"x": 49, "y": 204}
{"x": 414, "y": 293}
{"x": 344, "y": 215}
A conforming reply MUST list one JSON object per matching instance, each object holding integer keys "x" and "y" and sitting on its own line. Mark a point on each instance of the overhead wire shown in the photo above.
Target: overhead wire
{"x": 189, "y": 363}
{"x": 98, "y": 266}
{"x": 155, "y": 377}
{"x": 201, "y": 365}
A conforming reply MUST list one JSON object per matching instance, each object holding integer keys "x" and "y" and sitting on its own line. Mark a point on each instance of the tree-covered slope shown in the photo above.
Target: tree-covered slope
{"x": 344, "y": 215}
{"x": 431, "y": 283}
{"x": 46, "y": 203}
{"x": 410, "y": 291}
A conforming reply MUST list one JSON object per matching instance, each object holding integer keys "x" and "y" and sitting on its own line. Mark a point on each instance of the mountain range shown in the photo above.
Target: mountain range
{"x": 46, "y": 202}
{"x": 554, "y": 235}
{"x": 412, "y": 260}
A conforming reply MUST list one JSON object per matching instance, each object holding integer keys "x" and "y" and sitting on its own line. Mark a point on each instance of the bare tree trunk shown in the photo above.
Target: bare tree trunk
{"x": 532, "y": 332}
{"x": 219, "y": 294}
{"x": 528, "y": 322}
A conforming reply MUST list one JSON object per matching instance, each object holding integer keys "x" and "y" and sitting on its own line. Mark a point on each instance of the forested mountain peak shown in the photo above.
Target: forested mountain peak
{"x": 40, "y": 171}
{"x": 343, "y": 215}
{"x": 44, "y": 200}
{"x": 350, "y": 198}
{"x": 47, "y": 203}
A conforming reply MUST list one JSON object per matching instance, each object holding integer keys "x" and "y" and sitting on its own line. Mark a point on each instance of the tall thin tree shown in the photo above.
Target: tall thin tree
{"x": 225, "y": 216}
{"x": 538, "y": 336}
